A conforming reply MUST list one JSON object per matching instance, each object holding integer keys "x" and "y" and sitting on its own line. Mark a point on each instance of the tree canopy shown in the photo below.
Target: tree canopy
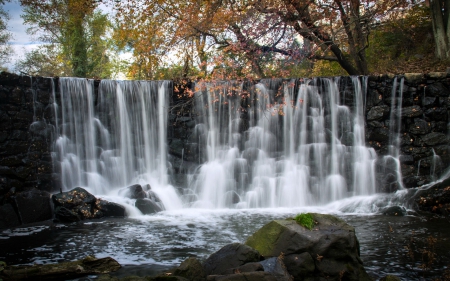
{"x": 235, "y": 38}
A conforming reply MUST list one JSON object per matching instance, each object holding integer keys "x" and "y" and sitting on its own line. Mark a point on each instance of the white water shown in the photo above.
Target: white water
{"x": 293, "y": 153}
{"x": 116, "y": 141}
{"x": 300, "y": 147}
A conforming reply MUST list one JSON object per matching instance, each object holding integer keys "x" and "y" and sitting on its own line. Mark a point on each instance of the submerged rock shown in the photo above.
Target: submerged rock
{"x": 332, "y": 244}
{"x": 394, "y": 211}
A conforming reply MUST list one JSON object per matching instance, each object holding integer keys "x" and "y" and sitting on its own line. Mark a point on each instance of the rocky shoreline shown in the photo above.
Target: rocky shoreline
{"x": 281, "y": 250}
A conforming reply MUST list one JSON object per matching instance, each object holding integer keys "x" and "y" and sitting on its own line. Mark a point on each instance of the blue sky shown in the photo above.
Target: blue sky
{"x": 21, "y": 41}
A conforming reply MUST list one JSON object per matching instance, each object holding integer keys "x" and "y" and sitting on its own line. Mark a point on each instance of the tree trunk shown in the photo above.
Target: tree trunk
{"x": 60, "y": 271}
{"x": 441, "y": 27}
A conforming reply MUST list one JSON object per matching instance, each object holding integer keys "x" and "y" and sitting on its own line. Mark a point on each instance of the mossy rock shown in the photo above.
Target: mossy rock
{"x": 331, "y": 243}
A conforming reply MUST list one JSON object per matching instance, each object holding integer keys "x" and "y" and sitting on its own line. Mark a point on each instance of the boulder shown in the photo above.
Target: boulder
{"x": 78, "y": 204}
{"x": 300, "y": 265}
{"x": 248, "y": 267}
{"x": 394, "y": 211}
{"x": 34, "y": 206}
{"x": 230, "y": 256}
{"x": 277, "y": 267}
{"x": 147, "y": 206}
{"x": 191, "y": 269}
{"x": 134, "y": 191}
{"x": 332, "y": 244}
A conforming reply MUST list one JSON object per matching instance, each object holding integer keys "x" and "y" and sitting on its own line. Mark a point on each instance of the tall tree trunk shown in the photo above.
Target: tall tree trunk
{"x": 440, "y": 10}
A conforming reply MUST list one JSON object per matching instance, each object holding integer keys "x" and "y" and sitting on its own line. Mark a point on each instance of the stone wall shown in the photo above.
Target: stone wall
{"x": 26, "y": 133}
{"x": 25, "y": 139}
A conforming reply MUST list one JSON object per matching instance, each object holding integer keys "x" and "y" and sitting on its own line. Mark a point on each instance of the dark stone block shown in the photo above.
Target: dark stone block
{"x": 300, "y": 265}
{"x": 419, "y": 127}
{"x": 411, "y": 111}
{"x": 438, "y": 114}
{"x": 378, "y": 112}
{"x": 433, "y": 139}
{"x": 437, "y": 89}
{"x": 73, "y": 198}
{"x": 8, "y": 216}
{"x": 34, "y": 206}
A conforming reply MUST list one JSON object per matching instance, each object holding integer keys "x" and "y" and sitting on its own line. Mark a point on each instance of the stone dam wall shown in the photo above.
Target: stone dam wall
{"x": 27, "y": 133}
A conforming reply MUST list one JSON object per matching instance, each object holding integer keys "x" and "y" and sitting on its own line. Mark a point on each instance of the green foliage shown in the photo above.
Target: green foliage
{"x": 5, "y": 36}
{"x": 305, "y": 219}
{"x": 396, "y": 44}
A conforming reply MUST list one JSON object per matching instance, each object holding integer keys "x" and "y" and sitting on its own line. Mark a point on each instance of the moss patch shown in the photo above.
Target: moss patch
{"x": 305, "y": 219}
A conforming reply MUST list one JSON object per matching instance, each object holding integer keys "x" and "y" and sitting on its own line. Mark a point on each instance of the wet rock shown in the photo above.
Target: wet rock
{"x": 230, "y": 256}
{"x": 34, "y": 206}
{"x": 147, "y": 206}
{"x": 78, "y": 204}
{"x": 191, "y": 269}
{"x": 134, "y": 191}
{"x": 428, "y": 102}
{"x": 435, "y": 199}
{"x": 413, "y": 78}
{"x": 332, "y": 243}
{"x": 394, "y": 211}
{"x": 378, "y": 112}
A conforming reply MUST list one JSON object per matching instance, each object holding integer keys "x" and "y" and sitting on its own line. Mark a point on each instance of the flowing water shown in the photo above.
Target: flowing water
{"x": 265, "y": 151}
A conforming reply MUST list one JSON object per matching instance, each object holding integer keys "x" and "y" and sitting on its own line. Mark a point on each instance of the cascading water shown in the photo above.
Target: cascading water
{"x": 299, "y": 149}
{"x": 114, "y": 141}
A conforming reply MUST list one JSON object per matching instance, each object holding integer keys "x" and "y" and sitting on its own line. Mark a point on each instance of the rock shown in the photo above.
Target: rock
{"x": 248, "y": 267}
{"x": 34, "y": 206}
{"x": 8, "y": 216}
{"x": 109, "y": 209}
{"x": 134, "y": 191}
{"x": 413, "y": 78}
{"x": 147, "y": 206}
{"x": 65, "y": 215}
{"x": 60, "y": 271}
{"x": 390, "y": 278}
{"x": 277, "y": 267}
{"x": 419, "y": 127}
{"x": 434, "y": 138}
{"x": 378, "y": 112}
{"x": 411, "y": 111}
{"x": 230, "y": 256}
{"x": 394, "y": 211}
{"x": 191, "y": 269}
{"x": 78, "y": 204}
{"x": 300, "y": 265}
{"x": 435, "y": 199}
{"x": 436, "y": 89}
{"x": 332, "y": 243}
{"x": 246, "y": 276}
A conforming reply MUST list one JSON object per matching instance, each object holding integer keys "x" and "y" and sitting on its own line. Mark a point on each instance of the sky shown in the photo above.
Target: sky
{"x": 21, "y": 42}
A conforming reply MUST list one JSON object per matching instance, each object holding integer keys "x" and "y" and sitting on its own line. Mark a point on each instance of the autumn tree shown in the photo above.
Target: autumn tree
{"x": 76, "y": 32}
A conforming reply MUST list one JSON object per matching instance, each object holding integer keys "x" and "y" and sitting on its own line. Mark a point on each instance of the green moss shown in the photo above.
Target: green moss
{"x": 305, "y": 220}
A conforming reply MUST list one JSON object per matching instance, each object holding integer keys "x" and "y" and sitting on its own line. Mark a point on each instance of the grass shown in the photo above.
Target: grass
{"x": 305, "y": 219}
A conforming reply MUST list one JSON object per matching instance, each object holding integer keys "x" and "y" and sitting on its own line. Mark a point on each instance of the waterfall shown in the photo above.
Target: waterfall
{"x": 276, "y": 143}
{"x": 115, "y": 141}
{"x": 301, "y": 148}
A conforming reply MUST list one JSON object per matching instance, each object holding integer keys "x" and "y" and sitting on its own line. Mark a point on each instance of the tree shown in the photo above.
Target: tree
{"x": 77, "y": 33}
{"x": 5, "y": 36}
{"x": 440, "y": 15}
